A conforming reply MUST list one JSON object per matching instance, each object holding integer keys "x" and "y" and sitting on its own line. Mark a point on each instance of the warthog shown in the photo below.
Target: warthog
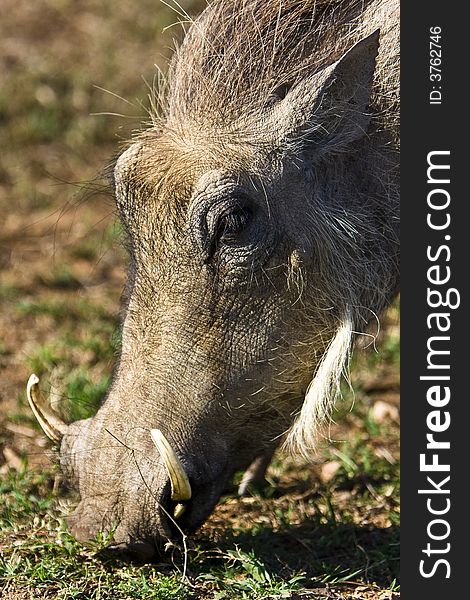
{"x": 261, "y": 208}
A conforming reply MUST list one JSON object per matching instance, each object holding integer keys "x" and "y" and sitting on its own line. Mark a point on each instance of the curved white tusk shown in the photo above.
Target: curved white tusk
{"x": 180, "y": 486}
{"x": 52, "y": 426}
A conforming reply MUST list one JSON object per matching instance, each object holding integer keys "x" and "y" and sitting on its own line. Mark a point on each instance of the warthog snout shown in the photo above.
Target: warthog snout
{"x": 141, "y": 490}
{"x": 138, "y": 485}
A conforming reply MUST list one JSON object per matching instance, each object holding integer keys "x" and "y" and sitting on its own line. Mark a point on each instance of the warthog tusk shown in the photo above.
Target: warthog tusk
{"x": 52, "y": 426}
{"x": 180, "y": 486}
{"x": 179, "y": 510}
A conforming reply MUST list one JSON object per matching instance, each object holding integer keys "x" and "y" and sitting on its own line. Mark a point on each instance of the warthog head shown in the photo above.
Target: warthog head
{"x": 261, "y": 212}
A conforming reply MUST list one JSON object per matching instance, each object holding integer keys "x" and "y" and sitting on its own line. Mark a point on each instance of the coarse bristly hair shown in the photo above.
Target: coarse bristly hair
{"x": 240, "y": 55}
{"x": 237, "y": 60}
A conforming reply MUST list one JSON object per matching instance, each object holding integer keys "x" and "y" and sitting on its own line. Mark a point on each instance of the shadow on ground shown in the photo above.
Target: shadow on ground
{"x": 330, "y": 553}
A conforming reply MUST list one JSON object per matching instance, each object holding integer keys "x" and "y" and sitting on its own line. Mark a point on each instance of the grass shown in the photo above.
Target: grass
{"x": 53, "y": 562}
{"x": 324, "y": 529}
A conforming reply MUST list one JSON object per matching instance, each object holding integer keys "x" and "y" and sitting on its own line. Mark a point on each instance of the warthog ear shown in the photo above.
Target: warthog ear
{"x": 330, "y": 108}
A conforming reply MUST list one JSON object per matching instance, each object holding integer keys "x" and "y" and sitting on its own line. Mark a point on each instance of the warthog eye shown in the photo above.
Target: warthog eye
{"x": 233, "y": 223}
{"x": 228, "y": 225}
